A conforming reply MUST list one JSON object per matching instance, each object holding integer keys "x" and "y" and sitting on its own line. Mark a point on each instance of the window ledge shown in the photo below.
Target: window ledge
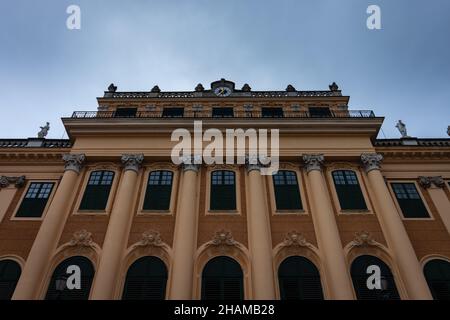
{"x": 352, "y": 211}
{"x": 91, "y": 212}
{"x": 154, "y": 212}
{"x": 223, "y": 212}
{"x": 290, "y": 212}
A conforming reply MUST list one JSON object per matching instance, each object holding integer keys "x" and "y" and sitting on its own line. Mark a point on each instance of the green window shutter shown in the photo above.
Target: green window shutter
{"x": 35, "y": 200}
{"x": 223, "y": 190}
{"x": 359, "y": 275}
{"x": 159, "y": 190}
{"x": 222, "y": 279}
{"x": 409, "y": 200}
{"x": 287, "y": 193}
{"x": 348, "y": 190}
{"x": 146, "y": 280}
{"x": 97, "y": 191}
{"x": 299, "y": 280}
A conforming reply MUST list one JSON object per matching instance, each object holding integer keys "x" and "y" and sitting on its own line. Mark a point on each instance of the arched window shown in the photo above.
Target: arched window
{"x": 97, "y": 191}
{"x": 159, "y": 190}
{"x": 287, "y": 193}
{"x": 222, "y": 279}
{"x": 299, "y": 279}
{"x": 223, "y": 190}
{"x": 9, "y": 275}
{"x": 348, "y": 190}
{"x": 146, "y": 280}
{"x": 437, "y": 273}
{"x": 58, "y": 290}
{"x": 360, "y": 276}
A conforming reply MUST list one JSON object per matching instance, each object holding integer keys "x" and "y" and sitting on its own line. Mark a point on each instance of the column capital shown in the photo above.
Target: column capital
{"x": 191, "y": 162}
{"x": 6, "y": 181}
{"x": 428, "y": 182}
{"x": 256, "y": 162}
{"x": 74, "y": 162}
{"x": 313, "y": 162}
{"x": 371, "y": 161}
{"x": 132, "y": 161}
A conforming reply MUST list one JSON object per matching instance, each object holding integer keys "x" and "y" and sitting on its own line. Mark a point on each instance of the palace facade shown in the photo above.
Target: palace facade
{"x": 110, "y": 201}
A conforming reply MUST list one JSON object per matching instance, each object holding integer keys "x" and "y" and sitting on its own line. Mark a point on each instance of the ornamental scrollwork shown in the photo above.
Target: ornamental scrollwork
{"x": 150, "y": 238}
{"x": 223, "y": 238}
{"x": 81, "y": 238}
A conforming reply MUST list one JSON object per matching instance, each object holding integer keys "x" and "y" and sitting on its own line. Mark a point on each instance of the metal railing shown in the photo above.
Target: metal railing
{"x": 241, "y": 114}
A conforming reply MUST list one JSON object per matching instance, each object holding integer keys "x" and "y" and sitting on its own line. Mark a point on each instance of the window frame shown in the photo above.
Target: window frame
{"x": 173, "y": 193}
{"x": 237, "y": 178}
{"x": 397, "y": 205}
{"x": 112, "y": 192}
{"x": 302, "y": 193}
{"x": 14, "y": 217}
{"x": 362, "y": 185}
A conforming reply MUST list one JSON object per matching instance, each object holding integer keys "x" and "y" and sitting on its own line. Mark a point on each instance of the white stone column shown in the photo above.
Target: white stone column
{"x": 327, "y": 233}
{"x": 394, "y": 230}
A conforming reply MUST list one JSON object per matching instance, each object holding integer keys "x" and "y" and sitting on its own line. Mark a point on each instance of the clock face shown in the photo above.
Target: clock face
{"x": 222, "y": 91}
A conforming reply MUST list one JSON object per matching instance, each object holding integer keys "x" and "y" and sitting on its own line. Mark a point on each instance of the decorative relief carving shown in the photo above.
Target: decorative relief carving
{"x": 223, "y": 238}
{"x": 150, "y": 238}
{"x": 256, "y": 162}
{"x": 81, "y": 238}
{"x": 295, "y": 239}
{"x": 5, "y": 181}
{"x": 363, "y": 239}
{"x": 428, "y": 182}
{"x": 132, "y": 161}
{"x": 371, "y": 161}
{"x": 74, "y": 162}
{"x": 313, "y": 161}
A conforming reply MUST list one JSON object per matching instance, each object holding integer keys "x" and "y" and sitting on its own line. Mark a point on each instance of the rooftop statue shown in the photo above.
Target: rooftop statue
{"x": 402, "y": 128}
{"x": 44, "y": 131}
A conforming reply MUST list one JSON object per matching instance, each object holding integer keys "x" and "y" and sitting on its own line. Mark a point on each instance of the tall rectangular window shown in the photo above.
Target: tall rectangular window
{"x": 97, "y": 191}
{"x": 348, "y": 190}
{"x": 223, "y": 190}
{"x": 35, "y": 200}
{"x": 409, "y": 200}
{"x": 159, "y": 190}
{"x": 287, "y": 193}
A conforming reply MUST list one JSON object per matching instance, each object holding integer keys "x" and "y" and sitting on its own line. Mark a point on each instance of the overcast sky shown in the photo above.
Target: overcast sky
{"x": 400, "y": 72}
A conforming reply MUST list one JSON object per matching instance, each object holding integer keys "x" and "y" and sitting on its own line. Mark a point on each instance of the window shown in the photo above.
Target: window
{"x": 359, "y": 277}
{"x": 146, "y": 280}
{"x": 223, "y": 190}
{"x": 437, "y": 273}
{"x": 299, "y": 279}
{"x": 272, "y": 112}
{"x": 348, "y": 190}
{"x": 125, "y": 113}
{"x": 159, "y": 190}
{"x": 173, "y": 112}
{"x": 409, "y": 200}
{"x": 35, "y": 200}
{"x": 319, "y": 112}
{"x": 222, "y": 279}
{"x": 9, "y": 275}
{"x": 222, "y": 113}
{"x": 287, "y": 193}
{"x": 60, "y": 273}
{"x": 97, "y": 190}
